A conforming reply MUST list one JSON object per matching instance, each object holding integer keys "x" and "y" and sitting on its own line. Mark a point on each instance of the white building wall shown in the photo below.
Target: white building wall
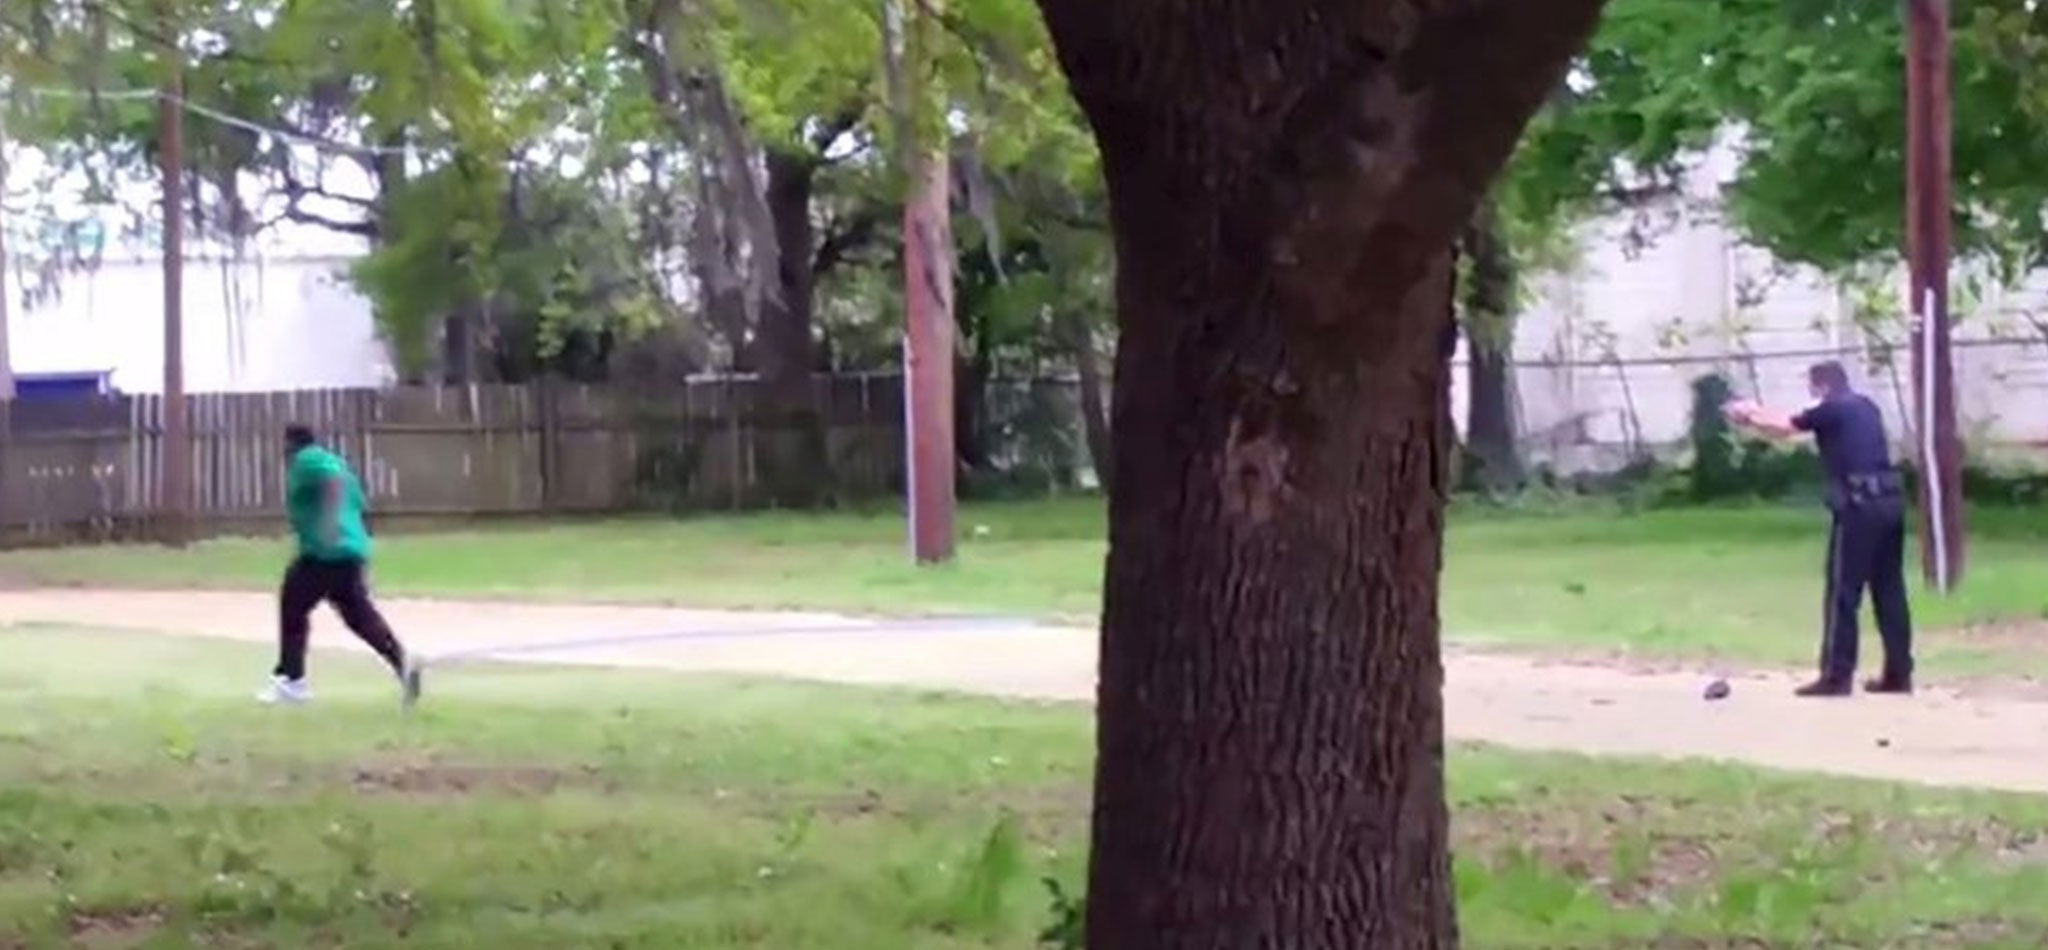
{"x": 278, "y": 324}
{"x": 1696, "y": 300}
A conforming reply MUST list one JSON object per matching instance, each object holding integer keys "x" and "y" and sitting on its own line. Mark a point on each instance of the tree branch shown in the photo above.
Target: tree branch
{"x": 661, "y": 78}
{"x": 363, "y": 229}
{"x": 1488, "y": 66}
{"x": 2040, "y": 325}
{"x": 296, "y": 189}
{"x": 1639, "y": 195}
{"x": 841, "y": 243}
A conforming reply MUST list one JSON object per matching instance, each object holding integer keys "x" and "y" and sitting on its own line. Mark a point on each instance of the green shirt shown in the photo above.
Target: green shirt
{"x": 306, "y": 488}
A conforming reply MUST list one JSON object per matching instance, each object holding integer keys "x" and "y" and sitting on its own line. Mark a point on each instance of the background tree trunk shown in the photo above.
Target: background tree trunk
{"x": 1492, "y": 457}
{"x": 1493, "y": 460}
{"x": 794, "y": 470}
{"x": 972, "y": 375}
{"x": 1094, "y": 408}
{"x": 459, "y": 345}
{"x": 1287, "y": 178}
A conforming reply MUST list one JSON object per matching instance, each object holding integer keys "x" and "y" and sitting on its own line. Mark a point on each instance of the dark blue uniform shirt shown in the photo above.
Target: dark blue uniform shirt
{"x": 1848, "y": 429}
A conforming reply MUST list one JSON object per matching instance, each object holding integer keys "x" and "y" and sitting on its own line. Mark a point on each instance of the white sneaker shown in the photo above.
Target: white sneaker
{"x": 285, "y": 692}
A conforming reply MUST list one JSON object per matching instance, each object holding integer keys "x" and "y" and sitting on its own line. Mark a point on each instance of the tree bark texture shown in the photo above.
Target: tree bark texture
{"x": 1492, "y": 458}
{"x": 794, "y": 468}
{"x": 1286, "y": 179}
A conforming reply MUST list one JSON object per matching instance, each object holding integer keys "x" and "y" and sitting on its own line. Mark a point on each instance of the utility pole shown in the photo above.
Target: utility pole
{"x": 7, "y": 388}
{"x": 6, "y": 337}
{"x": 177, "y": 440}
{"x": 928, "y": 341}
{"x": 1928, "y": 209}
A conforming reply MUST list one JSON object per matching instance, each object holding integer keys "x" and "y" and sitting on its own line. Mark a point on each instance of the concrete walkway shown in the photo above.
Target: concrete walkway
{"x": 1980, "y": 739}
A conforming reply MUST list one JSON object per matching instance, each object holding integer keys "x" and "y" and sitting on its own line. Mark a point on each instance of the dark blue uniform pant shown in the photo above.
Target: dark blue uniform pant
{"x": 1866, "y": 551}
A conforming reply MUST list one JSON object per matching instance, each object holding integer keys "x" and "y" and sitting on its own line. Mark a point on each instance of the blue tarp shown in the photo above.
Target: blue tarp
{"x": 41, "y": 387}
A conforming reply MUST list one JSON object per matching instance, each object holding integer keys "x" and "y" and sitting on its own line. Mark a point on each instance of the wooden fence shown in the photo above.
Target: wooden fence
{"x": 90, "y": 468}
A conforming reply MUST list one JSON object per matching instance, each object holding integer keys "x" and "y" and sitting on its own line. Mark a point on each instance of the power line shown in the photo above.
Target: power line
{"x": 224, "y": 118}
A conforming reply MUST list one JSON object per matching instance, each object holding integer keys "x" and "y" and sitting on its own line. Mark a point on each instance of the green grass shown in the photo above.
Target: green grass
{"x": 1739, "y": 583}
{"x": 144, "y": 801}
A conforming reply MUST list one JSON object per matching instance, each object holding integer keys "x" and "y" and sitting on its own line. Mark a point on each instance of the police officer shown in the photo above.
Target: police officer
{"x": 1866, "y": 547}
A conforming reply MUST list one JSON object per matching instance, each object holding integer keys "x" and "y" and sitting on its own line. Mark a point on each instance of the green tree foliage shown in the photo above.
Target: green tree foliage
{"x": 564, "y": 282}
{"x": 1815, "y": 89}
{"x": 448, "y": 133}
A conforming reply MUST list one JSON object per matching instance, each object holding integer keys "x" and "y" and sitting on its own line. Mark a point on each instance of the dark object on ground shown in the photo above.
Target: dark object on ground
{"x": 1895, "y": 685}
{"x": 1824, "y": 689}
{"x": 1884, "y": 743}
{"x": 1718, "y": 690}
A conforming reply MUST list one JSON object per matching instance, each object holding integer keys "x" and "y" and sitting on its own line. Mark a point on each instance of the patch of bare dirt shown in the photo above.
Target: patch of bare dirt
{"x": 1620, "y": 661}
{"x": 457, "y": 779}
{"x": 114, "y": 927}
{"x": 1614, "y": 850}
{"x": 1701, "y": 943}
{"x": 1631, "y": 851}
{"x": 1961, "y": 934}
{"x": 2028, "y": 637}
{"x": 1930, "y": 838}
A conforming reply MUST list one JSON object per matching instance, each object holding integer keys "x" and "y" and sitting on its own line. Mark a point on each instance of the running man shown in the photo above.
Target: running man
{"x": 325, "y": 504}
{"x": 1866, "y": 547}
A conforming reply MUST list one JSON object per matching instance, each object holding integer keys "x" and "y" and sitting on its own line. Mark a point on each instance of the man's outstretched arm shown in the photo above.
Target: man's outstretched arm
{"x": 1763, "y": 420}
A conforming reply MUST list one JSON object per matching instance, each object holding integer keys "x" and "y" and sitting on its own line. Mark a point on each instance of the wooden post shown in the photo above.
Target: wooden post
{"x": 928, "y": 342}
{"x": 1928, "y": 207}
{"x": 7, "y": 388}
{"x": 6, "y": 352}
{"x": 177, "y": 443}
{"x": 547, "y": 413}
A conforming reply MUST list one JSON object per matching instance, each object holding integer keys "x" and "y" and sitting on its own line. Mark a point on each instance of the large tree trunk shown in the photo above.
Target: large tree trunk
{"x": 1286, "y": 178}
{"x": 792, "y": 455}
{"x": 1492, "y": 459}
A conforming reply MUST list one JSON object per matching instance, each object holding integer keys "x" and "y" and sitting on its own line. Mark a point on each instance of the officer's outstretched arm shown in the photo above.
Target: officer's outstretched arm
{"x": 1761, "y": 419}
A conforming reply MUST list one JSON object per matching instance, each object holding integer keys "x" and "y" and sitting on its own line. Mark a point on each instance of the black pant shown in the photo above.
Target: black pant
{"x": 1866, "y": 549}
{"x": 341, "y": 583}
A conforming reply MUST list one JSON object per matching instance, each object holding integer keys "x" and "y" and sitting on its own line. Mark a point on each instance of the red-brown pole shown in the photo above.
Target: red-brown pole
{"x": 928, "y": 303}
{"x": 6, "y": 358}
{"x": 177, "y": 444}
{"x": 1928, "y": 207}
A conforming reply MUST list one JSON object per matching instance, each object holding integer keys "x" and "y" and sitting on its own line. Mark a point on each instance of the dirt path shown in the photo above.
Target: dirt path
{"x": 1980, "y": 740}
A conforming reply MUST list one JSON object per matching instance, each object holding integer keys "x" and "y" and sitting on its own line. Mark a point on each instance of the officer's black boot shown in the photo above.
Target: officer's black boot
{"x": 1826, "y": 686}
